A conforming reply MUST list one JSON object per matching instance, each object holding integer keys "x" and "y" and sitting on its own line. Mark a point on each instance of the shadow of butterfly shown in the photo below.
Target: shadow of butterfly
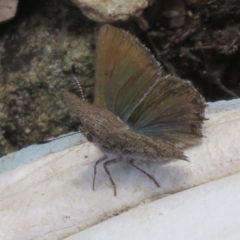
{"x": 137, "y": 113}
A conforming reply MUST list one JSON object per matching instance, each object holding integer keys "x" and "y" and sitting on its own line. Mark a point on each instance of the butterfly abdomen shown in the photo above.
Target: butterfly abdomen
{"x": 140, "y": 147}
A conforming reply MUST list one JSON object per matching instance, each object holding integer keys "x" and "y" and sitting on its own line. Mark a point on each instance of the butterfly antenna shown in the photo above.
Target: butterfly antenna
{"x": 78, "y": 82}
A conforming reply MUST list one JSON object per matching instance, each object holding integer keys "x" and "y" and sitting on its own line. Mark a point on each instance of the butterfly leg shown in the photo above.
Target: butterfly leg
{"x": 95, "y": 170}
{"x": 144, "y": 172}
{"x": 109, "y": 174}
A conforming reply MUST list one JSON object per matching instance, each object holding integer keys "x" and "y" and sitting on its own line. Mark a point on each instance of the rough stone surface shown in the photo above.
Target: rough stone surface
{"x": 111, "y": 10}
{"x": 36, "y": 54}
{"x": 8, "y": 9}
{"x": 45, "y": 38}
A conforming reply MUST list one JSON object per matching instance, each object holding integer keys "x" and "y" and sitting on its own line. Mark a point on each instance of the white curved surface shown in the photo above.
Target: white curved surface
{"x": 208, "y": 212}
{"x": 52, "y": 198}
{"x": 32, "y": 153}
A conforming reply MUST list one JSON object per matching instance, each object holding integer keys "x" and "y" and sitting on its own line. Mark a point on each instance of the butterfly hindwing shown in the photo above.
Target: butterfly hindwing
{"x": 172, "y": 112}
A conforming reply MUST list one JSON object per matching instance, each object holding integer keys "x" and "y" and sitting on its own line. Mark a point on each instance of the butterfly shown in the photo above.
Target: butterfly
{"x": 138, "y": 112}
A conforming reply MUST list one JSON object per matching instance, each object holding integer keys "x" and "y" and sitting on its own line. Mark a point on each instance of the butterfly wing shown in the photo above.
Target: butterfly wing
{"x": 130, "y": 83}
{"x": 172, "y": 112}
{"x": 125, "y": 71}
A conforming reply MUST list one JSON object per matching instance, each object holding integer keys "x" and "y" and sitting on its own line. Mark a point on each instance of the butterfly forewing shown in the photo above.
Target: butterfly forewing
{"x": 124, "y": 72}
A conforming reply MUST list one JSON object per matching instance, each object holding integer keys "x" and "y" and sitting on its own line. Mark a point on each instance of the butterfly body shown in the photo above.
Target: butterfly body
{"x": 113, "y": 135}
{"x": 138, "y": 113}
